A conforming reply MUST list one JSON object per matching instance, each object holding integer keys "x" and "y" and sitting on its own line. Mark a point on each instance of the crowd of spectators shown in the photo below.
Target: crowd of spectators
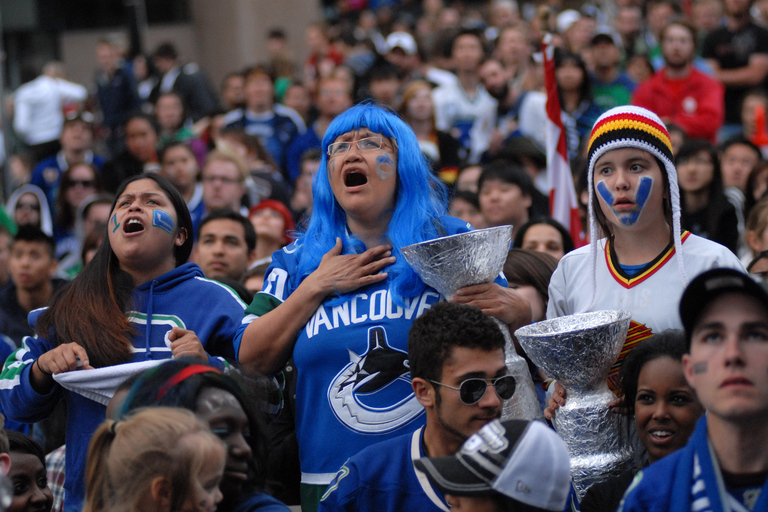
{"x": 244, "y": 170}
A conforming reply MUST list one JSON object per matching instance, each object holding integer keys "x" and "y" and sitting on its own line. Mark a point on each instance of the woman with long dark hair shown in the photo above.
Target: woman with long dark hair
{"x": 579, "y": 111}
{"x": 136, "y": 301}
{"x": 77, "y": 183}
{"x": 705, "y": 211}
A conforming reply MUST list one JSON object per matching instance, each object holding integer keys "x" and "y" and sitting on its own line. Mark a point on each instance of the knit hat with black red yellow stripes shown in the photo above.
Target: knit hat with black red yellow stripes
{"x": 633, "y": 127}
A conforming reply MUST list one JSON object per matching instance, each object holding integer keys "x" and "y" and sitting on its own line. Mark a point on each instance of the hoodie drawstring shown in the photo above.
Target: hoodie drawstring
{"x": 147, "y": 345}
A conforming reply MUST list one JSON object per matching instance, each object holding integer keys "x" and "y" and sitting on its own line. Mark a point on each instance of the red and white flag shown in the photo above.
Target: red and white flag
{"x": 562, "y": 194}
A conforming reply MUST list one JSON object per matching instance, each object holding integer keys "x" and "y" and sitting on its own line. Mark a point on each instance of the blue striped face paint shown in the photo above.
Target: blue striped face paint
{"x": 115, "y": 224}
{"x": 628, "y": 217}
{"x": 163, "y": 220}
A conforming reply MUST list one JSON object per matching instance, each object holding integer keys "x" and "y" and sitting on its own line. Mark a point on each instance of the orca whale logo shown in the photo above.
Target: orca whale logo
{"x": 372, "y": 394}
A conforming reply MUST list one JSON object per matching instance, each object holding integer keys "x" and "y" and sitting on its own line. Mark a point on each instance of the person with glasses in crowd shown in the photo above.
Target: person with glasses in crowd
{"x": 77, "y": 183}
{"x": 28, "y": 206}
{"x": 340, "y": 300}
{"x": 223, "y": 178}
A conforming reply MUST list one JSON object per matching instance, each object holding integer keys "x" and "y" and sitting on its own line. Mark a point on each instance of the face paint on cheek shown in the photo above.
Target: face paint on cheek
{"x": 163, "y": 220}
{"x": 699, "y": 368}
{"x": 602, "y": 189}
{"x": 114, "y": 222}
{"x": 385, "y": 166}
{"x": 644, "y": 187}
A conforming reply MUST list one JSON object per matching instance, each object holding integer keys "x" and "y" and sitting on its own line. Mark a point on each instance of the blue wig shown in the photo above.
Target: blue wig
{"x": 420, "y": 198}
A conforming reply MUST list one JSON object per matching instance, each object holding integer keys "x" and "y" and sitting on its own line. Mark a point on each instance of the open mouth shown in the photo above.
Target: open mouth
{"x": 134, "y": 226}
{"x": 355, "y": 179}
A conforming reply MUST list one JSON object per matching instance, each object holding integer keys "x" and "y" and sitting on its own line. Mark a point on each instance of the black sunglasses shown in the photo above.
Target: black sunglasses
{"x": 473, "y": 390}
{"x": 28, "y": 206}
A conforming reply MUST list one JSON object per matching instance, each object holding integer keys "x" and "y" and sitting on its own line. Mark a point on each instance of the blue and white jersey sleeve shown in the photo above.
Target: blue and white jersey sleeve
{"x": 19, "y": 400}
{"x": 280, "y": 281}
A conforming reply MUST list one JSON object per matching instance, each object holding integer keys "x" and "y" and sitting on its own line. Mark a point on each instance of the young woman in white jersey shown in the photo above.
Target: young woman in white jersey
{"x": 638, "y": 259}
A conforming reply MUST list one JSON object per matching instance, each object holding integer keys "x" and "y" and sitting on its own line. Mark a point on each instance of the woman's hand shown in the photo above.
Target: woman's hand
{"x": 185, "y": 343}
{"x": 63, "y": 358}
{"x": 342, "y": 273}
{"x": 556, "y": 401}
{"x": 503, "y": 303}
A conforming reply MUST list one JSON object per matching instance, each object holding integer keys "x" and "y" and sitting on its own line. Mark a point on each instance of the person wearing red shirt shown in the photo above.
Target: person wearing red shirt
{"x": 679, "y": 93}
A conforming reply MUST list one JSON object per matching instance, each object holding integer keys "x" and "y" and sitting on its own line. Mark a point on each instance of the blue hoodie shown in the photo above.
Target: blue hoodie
{"x": 181, "y": 297}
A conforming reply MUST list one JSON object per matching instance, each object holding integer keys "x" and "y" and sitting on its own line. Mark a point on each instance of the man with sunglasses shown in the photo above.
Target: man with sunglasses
{"x": 456, "y": 358}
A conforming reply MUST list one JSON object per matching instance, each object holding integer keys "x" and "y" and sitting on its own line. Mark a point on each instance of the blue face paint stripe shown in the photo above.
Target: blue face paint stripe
{"x": 644, "y": 190}
{"x": 163, "y": 220}
{"x": 644, "y": 185}
{"x": 605, "y": 193}
{"x": 114, "y": 222}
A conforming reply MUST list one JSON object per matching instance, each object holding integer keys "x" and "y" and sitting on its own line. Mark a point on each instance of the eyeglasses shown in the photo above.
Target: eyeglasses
{"x": 28, "y": 206}
{"x": 82, "y": 183}
{"x": 222, "y": 179}
{"x": 366, "y": 144}
{"x": 473, "y": 390}
{"x": 84, "y": 116}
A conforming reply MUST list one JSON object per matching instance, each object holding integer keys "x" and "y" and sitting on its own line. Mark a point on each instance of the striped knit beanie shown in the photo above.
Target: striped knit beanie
{"x": 632, "y": 127}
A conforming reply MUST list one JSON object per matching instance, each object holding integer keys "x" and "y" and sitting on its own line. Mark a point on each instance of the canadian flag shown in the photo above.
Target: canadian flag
{"x": 562, "y": 194}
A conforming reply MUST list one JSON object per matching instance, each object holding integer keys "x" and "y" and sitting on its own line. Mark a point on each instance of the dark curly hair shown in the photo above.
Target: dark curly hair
{"x": 444, "y": 326}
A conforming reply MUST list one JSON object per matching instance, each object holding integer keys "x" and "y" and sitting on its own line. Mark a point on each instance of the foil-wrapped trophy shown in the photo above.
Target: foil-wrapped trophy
{"x": 452, "y": 262}
{"x": 578, "y": 351}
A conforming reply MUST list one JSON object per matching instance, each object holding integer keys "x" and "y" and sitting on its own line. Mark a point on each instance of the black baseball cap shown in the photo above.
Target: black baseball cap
{"x": 710, "y": 285}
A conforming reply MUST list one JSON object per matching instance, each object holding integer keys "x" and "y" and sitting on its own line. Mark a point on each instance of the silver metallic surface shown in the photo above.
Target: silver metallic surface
{"x": 452, "y": 262}
{"x": 578, "y": 351}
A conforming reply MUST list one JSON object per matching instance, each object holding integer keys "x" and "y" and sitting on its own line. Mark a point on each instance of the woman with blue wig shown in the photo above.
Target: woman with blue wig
{"x": 341, "y": 299}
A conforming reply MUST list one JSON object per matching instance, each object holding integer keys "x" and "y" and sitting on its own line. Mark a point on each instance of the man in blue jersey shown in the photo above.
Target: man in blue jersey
{"x": 724, "y": 466}
{"x": 276, "y": 125}
{"x": 456, "y": 358}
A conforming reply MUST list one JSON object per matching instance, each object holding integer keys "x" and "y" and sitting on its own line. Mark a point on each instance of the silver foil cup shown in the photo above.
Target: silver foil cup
{"x": 578, "y": 351}
{"x": 452, "y": 262}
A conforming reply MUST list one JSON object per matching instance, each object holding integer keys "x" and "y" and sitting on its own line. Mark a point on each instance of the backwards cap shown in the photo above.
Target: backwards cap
{"x": 633, "y": 127}
{"x": 525, "y": 461}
